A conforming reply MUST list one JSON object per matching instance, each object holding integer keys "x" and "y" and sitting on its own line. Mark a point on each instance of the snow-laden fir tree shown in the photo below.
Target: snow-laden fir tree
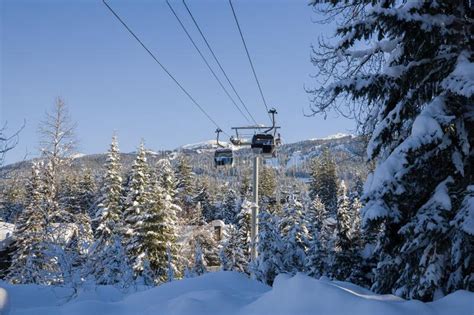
{"x": 87, "y": 190}
{"x": 107, "y": 248}
{"x": 199, "y": 266}
{"x": 109, "y": 209}
{"x": 28, "y": 258}
{"x": 463, "y": 244}
{"x": 112, "y": 265}
{"x": 232, "y": 255}
{"x": 320, "y": 236}
{"x": 244, "y": 228}
{"x": 267, "y": 183}
{"x": 269, "y": 262}
{"x": 185, "y": 183}
{"x": 405, "y": 71}
{"x": 295, "y": 236}
{"x": 167, "y": 178}
{"x": 229, "y": 209}
{"x": 244, "y": 188}
{"x": 345, "y": 250}
{"x": 137, "y": 206}
{"x": 12, "y": 201}
{"x": 159, "y": 232}
{"x": 324, "y": 181}
{"x": 209, "y": 212}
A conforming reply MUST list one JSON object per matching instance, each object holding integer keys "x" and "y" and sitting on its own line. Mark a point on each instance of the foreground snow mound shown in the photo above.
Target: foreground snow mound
{"x": 225, "y": 293}
{"x": 304, "y": 295}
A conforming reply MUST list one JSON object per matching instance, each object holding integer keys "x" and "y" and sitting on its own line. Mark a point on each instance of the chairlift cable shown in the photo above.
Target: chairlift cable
{"x": 248, "y": 56}
{"x": 205, "y": 61}
{"x": 162, "y": 66}
{"x": 217, "y": 61}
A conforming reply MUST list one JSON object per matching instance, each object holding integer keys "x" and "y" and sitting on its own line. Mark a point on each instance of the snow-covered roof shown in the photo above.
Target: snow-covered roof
{"x": 218, "y": 223}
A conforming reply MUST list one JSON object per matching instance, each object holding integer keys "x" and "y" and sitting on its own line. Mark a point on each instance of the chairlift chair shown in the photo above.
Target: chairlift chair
{"x": 264, "y": 144}
{"x": 222, "y": 156}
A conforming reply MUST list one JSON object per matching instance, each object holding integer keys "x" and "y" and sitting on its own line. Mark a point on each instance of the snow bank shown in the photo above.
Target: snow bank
{"x": 225, "y": 293}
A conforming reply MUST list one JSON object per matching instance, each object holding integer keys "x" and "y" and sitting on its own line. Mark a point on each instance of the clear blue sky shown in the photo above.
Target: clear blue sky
{"x": 77, "y": 50}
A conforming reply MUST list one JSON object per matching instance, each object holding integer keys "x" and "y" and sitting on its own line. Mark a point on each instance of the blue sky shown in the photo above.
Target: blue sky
{"x": 77, "y": 50}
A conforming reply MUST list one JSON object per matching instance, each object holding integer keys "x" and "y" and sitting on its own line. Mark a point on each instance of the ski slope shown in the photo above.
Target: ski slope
{"x": 225, "y": 293}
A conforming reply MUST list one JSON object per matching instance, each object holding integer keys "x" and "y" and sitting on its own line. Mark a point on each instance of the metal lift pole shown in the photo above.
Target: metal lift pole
{"x": 254, "y": 219}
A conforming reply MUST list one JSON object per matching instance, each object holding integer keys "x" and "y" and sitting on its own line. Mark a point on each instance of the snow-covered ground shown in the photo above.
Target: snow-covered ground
{"x": 225, "y": 293}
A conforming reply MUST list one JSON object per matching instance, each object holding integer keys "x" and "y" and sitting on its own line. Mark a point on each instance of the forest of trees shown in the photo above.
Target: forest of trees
{"x": 125, "y": 228}
{"x": 409, "y": 230}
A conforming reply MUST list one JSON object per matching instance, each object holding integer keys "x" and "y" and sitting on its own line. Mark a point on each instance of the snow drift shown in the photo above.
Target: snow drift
{"x": 225, "y": 293}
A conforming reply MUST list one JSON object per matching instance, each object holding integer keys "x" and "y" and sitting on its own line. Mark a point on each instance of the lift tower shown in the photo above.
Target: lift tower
{"x": 263, "y": 145}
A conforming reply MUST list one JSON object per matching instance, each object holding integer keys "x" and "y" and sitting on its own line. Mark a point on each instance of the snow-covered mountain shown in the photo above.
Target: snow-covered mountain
{"x": 293, "y": 159}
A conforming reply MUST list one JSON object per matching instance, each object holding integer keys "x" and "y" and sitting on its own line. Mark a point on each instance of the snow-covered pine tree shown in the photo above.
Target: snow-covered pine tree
{"x": 320, "y": 235}
{"x": 209, "y": 211}
{"x": 87, "y": 192}
{"x": 324, "y": 181}
{"x": 411, "y": 85}
{"x": 345, "y": 250}
{"x": 232, "y": 255}
{"x": 112, "y": 265}
{"x": 295, "y": 237}
{"x": 109, "y": 210}
{"x": 243, "y": 227}
{"x": 12, "y": 201}
{"x": 27, "y": 260}
{"x": 269, "y": 262}
{"x": 159, "y": 230}
{"x": 167, "y": 178}
{"x": 463, "y": 244}
{"x": 107, "y": 261}
{"x": 244, "y": 188}
{"x": 138, "y": 204}
{"x": 228, "y": 211}
{"x": 199, "y": 266}
{"x": 268, "y": 183}
{"x": 360, "y": 274}
{"x": 185, "y": 183}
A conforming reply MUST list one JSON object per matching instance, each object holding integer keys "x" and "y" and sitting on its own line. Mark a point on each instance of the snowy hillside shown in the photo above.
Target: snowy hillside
{"x": 225, "y": 293}
{"x": 293, "y": 158}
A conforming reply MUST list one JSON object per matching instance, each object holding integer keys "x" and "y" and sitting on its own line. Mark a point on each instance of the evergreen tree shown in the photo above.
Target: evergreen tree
{"x": 185, "y": 183}
{"x": 416, "y": 107}
{"x": 209, "y": 212}
{"x": 344, "y": 251}
{"x": 244, "y": 188}
{"x": 109, "y": 210}
{"x": 87, "y": 192}
{"x": 269, "y": 262}
{"x": 319, "y": 243}
{"x": 324, "y": 181}
{"x": 244, "y": 228}
{"x": 108, "y": 262}
{"x": 11, "y": 203}
{"x": 137, "y": 211}
{"x": 166, "y": 178}
{"x": 228, "y": 212}
{"x": 200, "y": 265}
{"x": 267, "y": 183}
{"x": 111, "y": 266}
{"x": 28, "y": 259}
{"x": 295, "y": 237}
{"x": 232, "y": 255}
{"x": 160, "y": 235}
{"x": 463, "y": 245}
